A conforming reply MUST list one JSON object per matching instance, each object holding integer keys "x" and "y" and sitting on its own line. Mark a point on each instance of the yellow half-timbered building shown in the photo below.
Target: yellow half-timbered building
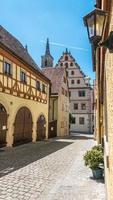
{"x": 24, "y": 94}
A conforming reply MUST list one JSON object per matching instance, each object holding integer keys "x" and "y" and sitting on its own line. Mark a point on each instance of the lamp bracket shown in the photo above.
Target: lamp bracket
{"x": 108, "y": 43}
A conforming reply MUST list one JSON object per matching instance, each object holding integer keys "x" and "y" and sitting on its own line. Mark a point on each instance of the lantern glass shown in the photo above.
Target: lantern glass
{"x": 95, "y": 22}
{"x": 100, "y": 19}
{"x": 91, "y": 26}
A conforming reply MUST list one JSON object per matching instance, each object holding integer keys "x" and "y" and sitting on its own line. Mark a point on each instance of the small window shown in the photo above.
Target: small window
{"x": 66, "y": 64}
{"x": 83, "y": 106}
{"x": 46, "y": 63}
{"x": 78, "y": 81}
{"x": 7, "y": 68}
{"x": 66, "y": 57}
{"x": 38, "y": 85}
{"x": 69, "y": 93}
{"x": 43, "y": 88}
{"x": 72, "y": 81}
{"x": 81, "y": 120}
{"x": 23, "y": 77}
{"x": 81, "y": 93}
{"x": 71, "y": 64}
{"x": 61, "y": 64}
{"x": 72, "y": 72}
{"x": 75, "y": 106}
{"x": 73, "y": 120}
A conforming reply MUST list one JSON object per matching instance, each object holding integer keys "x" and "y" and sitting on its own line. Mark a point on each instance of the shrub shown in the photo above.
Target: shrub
{"x": 98, "y": 148}
{"x": 94, "y": 158}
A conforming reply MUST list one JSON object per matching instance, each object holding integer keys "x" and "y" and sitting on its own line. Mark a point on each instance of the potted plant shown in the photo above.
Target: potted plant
{"x": 95, "y": 160}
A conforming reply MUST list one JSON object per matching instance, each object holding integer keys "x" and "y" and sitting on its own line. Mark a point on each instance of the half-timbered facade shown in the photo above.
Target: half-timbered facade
{"x": 24, "y": 94}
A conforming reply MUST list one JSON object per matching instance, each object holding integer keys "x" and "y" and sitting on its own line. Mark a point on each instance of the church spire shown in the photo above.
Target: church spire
{"x": 47, "y": 59}
{"x": 47, "y": 47}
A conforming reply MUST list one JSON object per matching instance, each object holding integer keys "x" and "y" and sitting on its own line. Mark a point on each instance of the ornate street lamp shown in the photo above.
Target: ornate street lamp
{"x": 95, "y": 23}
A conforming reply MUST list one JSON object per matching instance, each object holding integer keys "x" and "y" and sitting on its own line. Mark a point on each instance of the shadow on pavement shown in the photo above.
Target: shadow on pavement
{"x": 79, "y": 137}
{"x": 12, "y": 159}
{"x": 98, "y": 180}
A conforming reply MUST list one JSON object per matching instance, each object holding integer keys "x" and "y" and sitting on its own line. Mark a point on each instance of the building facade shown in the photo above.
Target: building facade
{"x": 104, "y": 126}
{"x": 24, "y": 94}
{"x": 103, "y": 67}
{"x": 59, "y": 101}
{"x": 81, "y": 95}
{"x": 59, "y": 96}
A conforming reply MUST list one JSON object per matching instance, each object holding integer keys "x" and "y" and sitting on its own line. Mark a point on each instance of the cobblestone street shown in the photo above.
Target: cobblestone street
{"x": 49, "y": 170}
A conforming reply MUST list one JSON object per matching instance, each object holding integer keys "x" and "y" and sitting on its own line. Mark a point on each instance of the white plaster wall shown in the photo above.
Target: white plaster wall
{"x": 78, "y": 127}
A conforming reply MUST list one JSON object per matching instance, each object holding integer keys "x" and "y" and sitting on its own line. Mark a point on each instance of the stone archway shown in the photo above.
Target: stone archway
{"x": 23, "y": 126}
{"x": 41, "y": 127}
{"x": 3, "y": 125}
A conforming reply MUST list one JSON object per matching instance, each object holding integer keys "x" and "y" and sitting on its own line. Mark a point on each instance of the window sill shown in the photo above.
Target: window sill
{"x": 23, "y": 82}
{"x": 9, "y": 75}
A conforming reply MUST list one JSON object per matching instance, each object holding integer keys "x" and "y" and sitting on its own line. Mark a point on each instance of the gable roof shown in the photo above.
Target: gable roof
{"x": 13, "y": 45}
{"x": 55, "y": 74}
{"x": 68, "y": 61}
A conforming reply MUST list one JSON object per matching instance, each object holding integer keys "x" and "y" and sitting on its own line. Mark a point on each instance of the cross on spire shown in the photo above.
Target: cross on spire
{"x": 47, "y": 47}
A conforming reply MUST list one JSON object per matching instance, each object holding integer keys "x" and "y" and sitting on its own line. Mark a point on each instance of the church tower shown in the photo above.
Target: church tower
{"x": 47, "y": 59}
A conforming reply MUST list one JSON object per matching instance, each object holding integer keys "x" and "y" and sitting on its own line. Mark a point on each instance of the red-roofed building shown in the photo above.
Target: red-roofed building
{"x": 59, "y": 101}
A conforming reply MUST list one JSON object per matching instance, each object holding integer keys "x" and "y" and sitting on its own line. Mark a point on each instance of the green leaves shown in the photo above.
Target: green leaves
{"x": 94, "y": 158}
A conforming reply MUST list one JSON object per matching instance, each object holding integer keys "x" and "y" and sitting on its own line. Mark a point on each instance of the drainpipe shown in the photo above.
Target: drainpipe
{"x": 53, "y": 108}
{"x": 98, "y": 95}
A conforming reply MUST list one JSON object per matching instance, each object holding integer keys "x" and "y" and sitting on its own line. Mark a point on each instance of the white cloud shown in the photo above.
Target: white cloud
{"x": 66, "y": 46}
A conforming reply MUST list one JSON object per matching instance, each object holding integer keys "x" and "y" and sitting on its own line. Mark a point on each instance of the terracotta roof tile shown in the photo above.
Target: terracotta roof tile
{"x": 55, "y": 75}
{"x": 10, "y": 42}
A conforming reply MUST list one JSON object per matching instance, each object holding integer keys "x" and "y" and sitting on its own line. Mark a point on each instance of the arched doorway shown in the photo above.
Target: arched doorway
{"x": 41, "y": 128}
{"x": 23, "y": 126}
{"x": 3, "y": 125}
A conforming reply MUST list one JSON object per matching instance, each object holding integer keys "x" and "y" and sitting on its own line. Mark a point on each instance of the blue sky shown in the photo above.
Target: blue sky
{"x": 32, "y": 21}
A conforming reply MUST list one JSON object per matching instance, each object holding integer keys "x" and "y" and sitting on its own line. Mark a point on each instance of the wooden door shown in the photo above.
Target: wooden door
{"x": 23, "y": 126}
{"x": 52, "y": 129}
{"x": 3, "y": 125}
{"x": 41, "y": 128}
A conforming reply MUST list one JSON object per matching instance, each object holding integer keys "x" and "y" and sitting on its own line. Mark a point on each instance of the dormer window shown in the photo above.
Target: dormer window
{"x": 23, "y": 77}
{"x": 66, "y": 64}
{"x": 7, "y": 68}
{"x": 71, "y": 64}
{"x": 66, "y": 58}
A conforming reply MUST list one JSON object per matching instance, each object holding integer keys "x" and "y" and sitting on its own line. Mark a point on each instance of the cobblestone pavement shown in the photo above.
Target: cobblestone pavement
{"x": 49, "y": 170}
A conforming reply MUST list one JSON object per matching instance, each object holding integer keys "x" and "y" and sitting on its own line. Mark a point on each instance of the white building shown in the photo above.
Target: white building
{"x": 81, "y": 95}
